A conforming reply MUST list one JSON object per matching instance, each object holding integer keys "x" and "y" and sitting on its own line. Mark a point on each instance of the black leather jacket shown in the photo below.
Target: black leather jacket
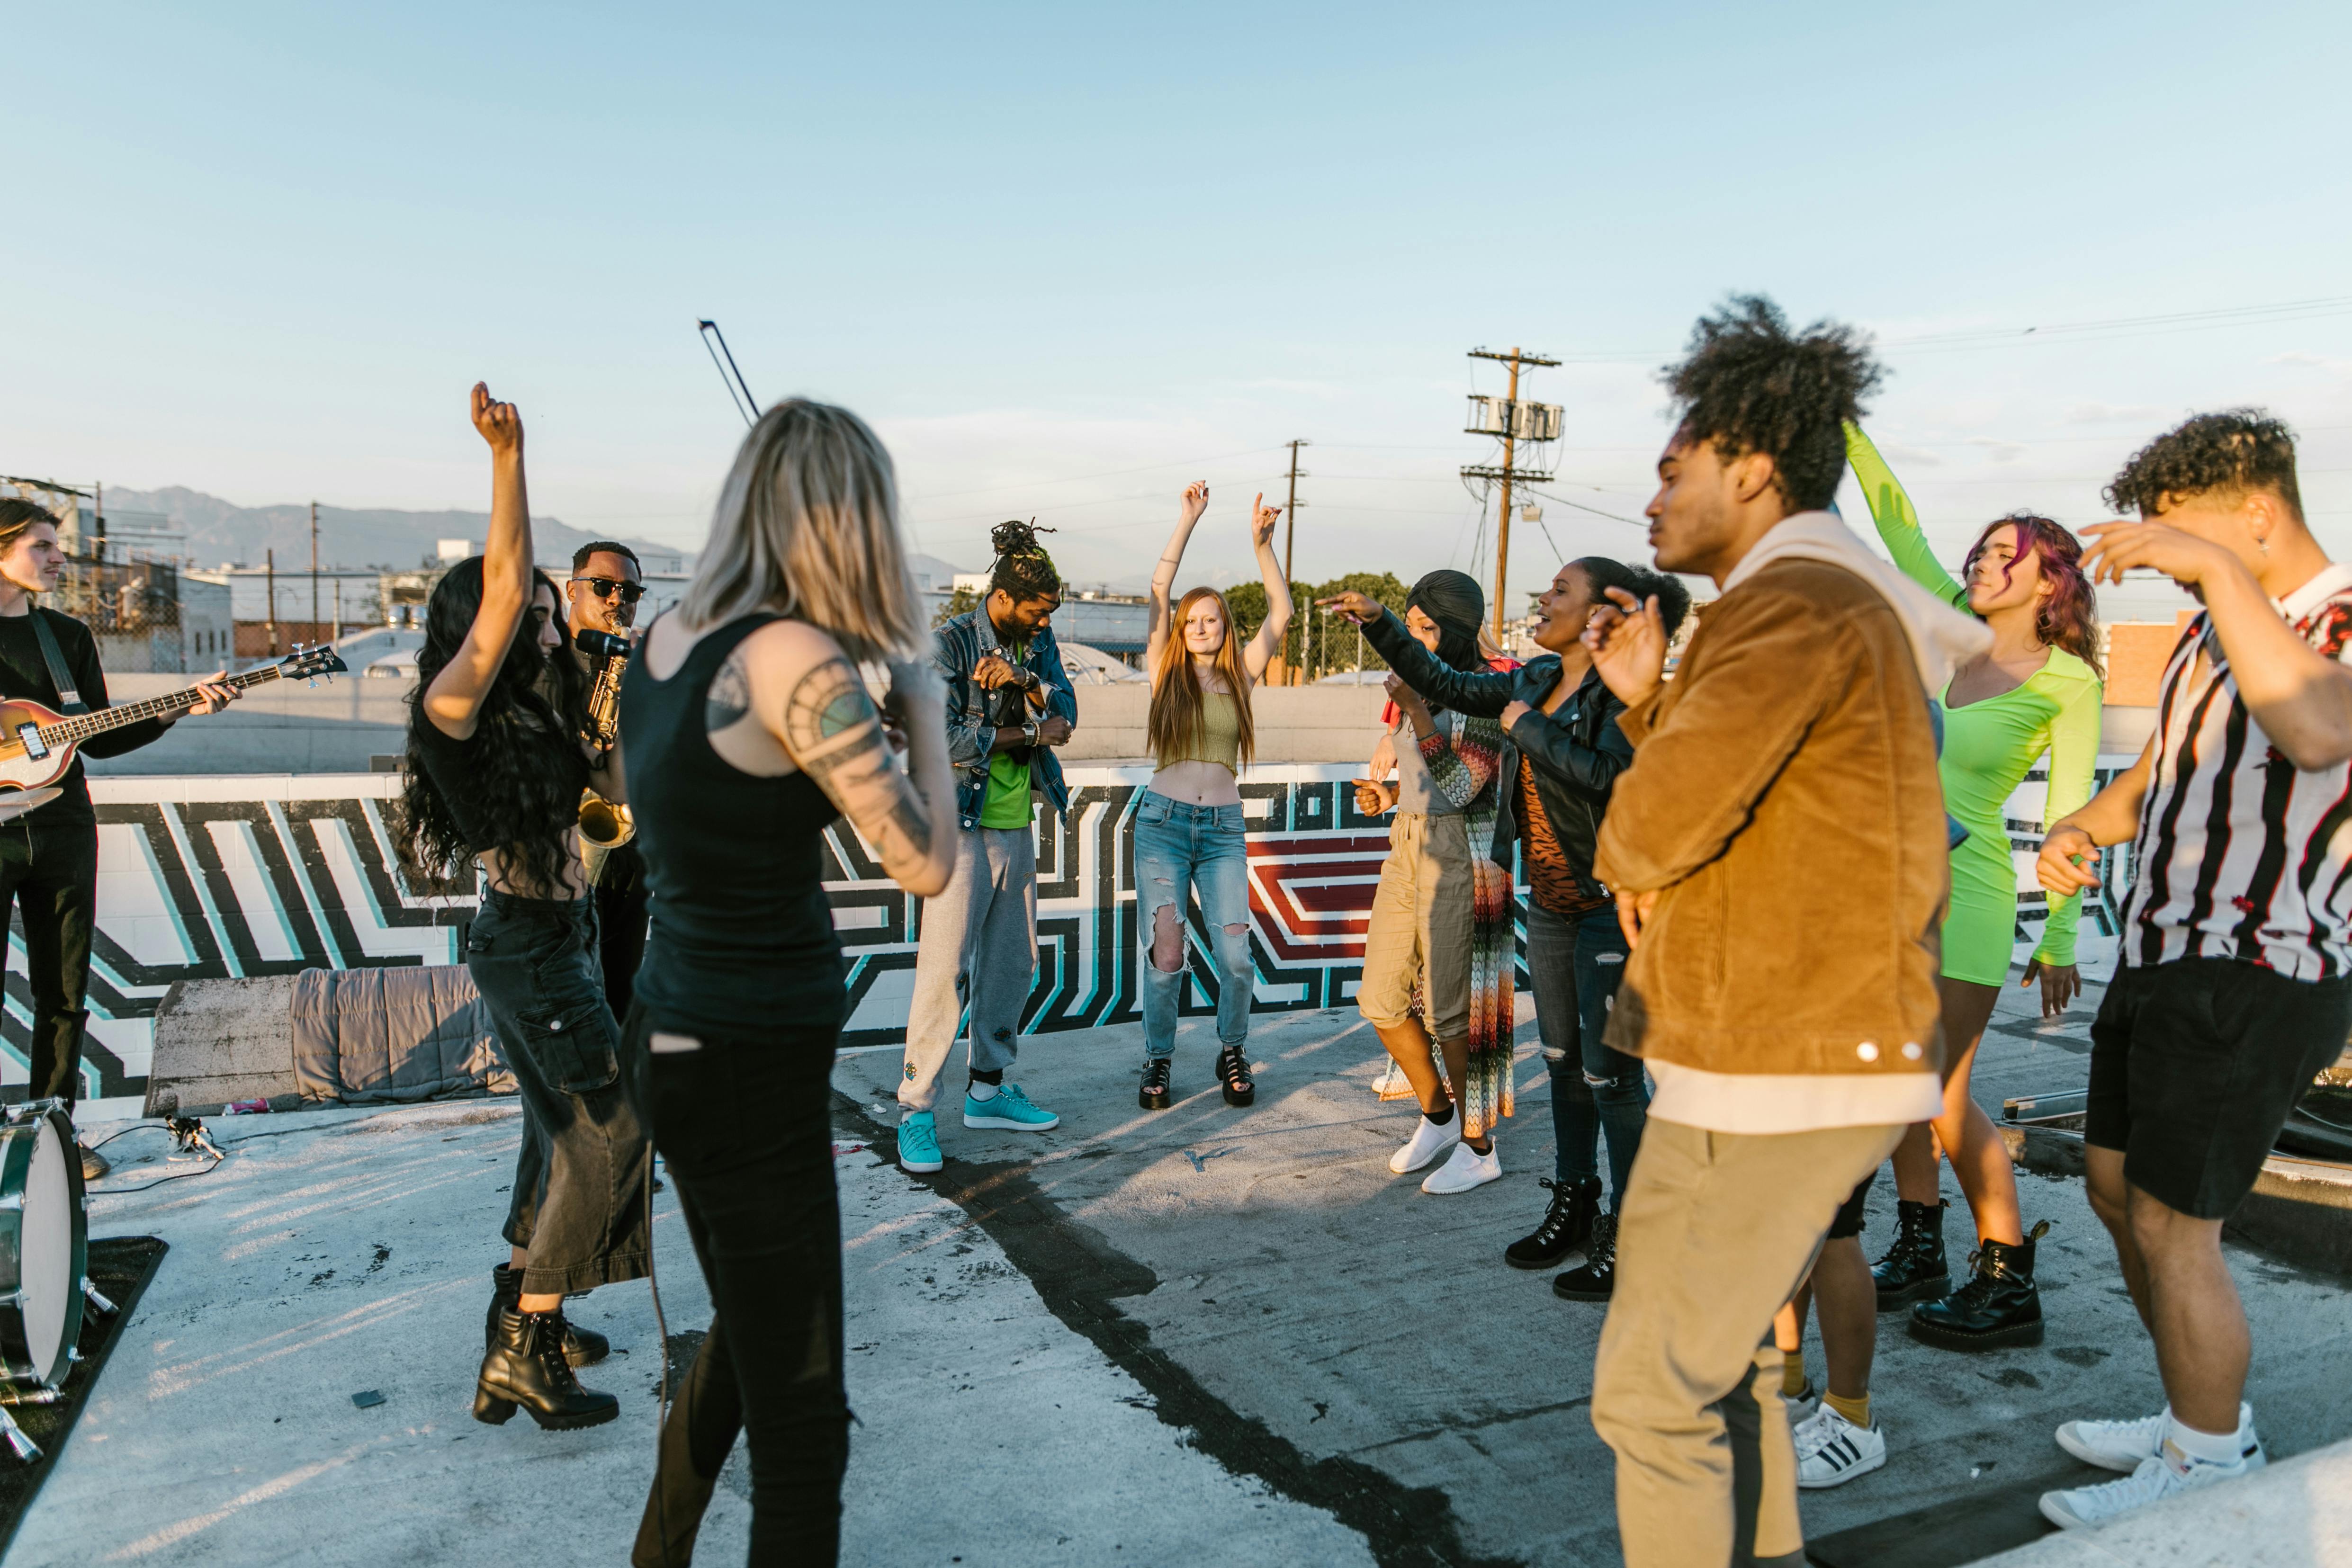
{"x": 1578, "y": 752}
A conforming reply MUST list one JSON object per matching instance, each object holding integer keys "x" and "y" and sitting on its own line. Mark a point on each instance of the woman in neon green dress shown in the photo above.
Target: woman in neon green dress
{"x": 2037, "y": 692}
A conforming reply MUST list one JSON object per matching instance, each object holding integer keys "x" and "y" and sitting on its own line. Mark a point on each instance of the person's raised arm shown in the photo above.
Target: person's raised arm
{"x": 1268, "y": 642}
{"x": 1484, "y": 693}
{"x": 1898, "y": 520}
{"x": 455, "y": 697}
{"x": 1164, "y": 577}
{"x": 2073, "y": 764}
{"x": 809, "y": 698}
{"x": 2301, "y": 696}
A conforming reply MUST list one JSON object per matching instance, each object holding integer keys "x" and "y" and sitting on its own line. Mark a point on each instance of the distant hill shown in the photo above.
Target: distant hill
{"x": 220, "y": 531}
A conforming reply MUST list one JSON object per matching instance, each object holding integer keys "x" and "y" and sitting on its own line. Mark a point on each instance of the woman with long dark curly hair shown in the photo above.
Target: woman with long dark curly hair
{"x": 2036, "y": 693}
{"x": 1188, "y": 837}
{"x": 495, "y": 768}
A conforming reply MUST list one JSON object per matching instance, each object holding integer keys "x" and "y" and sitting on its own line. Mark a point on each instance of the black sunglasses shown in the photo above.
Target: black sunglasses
{"x": 605, "y": 588}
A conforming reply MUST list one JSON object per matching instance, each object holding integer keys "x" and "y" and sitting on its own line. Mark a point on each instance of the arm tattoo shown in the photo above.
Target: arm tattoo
{"x": 730, "y": 696}
{"x": 830, "y": 701}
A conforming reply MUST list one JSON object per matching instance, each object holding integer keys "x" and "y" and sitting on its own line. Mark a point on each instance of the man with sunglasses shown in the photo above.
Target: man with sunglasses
{"x": 602, "y": 596}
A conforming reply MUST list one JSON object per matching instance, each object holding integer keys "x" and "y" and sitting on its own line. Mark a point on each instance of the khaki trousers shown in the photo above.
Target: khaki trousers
{"x": 1419, "y": 932}
{"x": 1714, "y": 1234}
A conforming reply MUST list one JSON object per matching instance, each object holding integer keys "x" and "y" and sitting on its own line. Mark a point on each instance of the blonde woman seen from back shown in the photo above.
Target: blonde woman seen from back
{"x": 1189, "y": 836}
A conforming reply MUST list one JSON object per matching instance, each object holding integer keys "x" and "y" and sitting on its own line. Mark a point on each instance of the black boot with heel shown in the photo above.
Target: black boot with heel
{"x": 1233, "y": 1071}
{"x": 1999, "y": 1306}
{"x": 525, "y": 1368}
{"x": 582, "y": 1347}
{"x": 1566, "y": 1225}
{"x": 1914, "y": 1268}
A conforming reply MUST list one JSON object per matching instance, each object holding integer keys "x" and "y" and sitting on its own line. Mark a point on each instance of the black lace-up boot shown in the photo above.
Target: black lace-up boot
{"x": 1155, "y": 1094}
{"x": 1999, "y": 1306}
{"x": 525, "y": 1367}
{"x": 1593, "y": 1280}
{"x": 1566, "y": 1225}
{"x": 582, "y": 1347}
{"x": 1914, "y": 1268}
{"x": 1232, "y": 1071}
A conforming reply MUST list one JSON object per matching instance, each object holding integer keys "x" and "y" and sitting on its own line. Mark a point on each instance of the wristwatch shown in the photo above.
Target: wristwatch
{"x": 1028, "y": 732}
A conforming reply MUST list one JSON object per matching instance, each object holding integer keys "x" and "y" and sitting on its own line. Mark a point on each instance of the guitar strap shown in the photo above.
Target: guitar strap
{"x": 68, "y": 699}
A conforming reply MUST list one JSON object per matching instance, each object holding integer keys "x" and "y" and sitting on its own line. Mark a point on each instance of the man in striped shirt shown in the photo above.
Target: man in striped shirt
{"x": 2237, "y": 939}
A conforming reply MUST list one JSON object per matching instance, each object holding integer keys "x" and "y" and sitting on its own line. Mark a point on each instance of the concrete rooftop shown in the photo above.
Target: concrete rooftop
{"x": 1144, "y": 1338}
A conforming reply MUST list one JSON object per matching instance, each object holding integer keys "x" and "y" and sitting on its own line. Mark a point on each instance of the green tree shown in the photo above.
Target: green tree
{"x": 962, "y": 599}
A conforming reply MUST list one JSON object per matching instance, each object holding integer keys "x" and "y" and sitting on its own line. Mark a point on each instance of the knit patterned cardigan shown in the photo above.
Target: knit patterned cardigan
{"x": 1464, "y": 757}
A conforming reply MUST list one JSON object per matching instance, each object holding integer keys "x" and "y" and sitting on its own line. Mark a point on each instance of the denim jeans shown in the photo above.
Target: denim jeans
{"x": 746, "y": 1128}
{"x": 1182, "y": 851}
{"x": 1575, "y": 964}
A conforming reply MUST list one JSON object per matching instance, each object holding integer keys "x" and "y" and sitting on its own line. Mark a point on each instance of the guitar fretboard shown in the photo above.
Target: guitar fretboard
{"x": 76, "y": 728}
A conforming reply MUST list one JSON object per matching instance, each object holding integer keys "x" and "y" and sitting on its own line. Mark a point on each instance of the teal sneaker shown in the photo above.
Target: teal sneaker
{"x": 1011, "y": 1110}
{"x": 919, "y": 1144}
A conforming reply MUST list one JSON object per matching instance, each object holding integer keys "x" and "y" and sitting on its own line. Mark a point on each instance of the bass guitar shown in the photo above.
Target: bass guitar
{"x": 37, "y": 744}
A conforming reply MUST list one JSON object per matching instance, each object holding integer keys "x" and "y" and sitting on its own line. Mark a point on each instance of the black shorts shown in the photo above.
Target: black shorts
{"x": 1849, "y": 1215}
{"x": 2194, "y": 1067}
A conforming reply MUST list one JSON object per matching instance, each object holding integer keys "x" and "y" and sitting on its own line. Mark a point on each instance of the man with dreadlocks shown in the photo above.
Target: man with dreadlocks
{"x": 1009, "y": 703}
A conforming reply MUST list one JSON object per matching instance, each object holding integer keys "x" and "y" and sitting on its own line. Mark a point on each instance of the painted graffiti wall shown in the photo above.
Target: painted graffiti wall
{"x": 231, "y": 875}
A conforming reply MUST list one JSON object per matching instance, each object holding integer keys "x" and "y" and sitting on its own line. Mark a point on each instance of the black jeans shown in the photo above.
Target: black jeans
{"x": 621, "y": 940}
{"x": 577, "y": 1208}
{"x": 745, "y": 1126}
{"x": 1575, "y": 967}
{"x": 50, "y": 874}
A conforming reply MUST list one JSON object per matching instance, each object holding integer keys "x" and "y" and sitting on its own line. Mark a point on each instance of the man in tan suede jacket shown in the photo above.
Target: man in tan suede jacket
{"x": 1777, "y": 849}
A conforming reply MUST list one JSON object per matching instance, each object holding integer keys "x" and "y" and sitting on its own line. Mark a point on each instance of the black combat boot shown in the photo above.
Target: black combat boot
{"x": 1594, "y": 1280}
{"x": 1154, "y": 1095}
{"x": 1566, "y": 1225}
{"x": 1997, "y": 1306}
{"x": 582, "y": 1347}
{"x": 1914, "y": 1268}
{"x": 1232, "y": 1071}
{"x": 525, "y": 1367}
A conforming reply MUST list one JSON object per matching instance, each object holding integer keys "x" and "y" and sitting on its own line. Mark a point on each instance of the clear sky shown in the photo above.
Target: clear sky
{"x": 1067, "y": 257}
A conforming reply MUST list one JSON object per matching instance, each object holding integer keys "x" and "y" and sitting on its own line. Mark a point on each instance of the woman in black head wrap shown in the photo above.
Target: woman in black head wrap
{"x": 1441, "y": 921}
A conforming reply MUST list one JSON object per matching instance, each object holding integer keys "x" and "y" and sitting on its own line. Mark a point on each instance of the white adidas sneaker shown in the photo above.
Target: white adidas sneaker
{"x": 1464, "y": 1169}
{"x": 1832, "y": 1450}
{"x": 2127, "y": 1445}
{"x": 1428, "y": 1140}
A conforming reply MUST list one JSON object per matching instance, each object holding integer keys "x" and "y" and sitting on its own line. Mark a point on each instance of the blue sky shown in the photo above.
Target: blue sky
{"x": 1066, "y": 258}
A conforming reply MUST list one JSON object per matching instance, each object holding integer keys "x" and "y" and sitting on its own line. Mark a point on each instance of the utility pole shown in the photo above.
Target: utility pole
{"x": 1514, "y": 422}
{"x": 1290, "y": 520}
{"x": 269, "y": 577}
{"x": 314, "y": 571}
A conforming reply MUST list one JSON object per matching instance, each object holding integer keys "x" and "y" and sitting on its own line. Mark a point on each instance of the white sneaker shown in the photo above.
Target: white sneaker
{"x": 1465, "y": 1169}
{"x": 2127, "y": 1445}
{"x": 1802, "y": 1403}
{"x": 1428, "y": 1140}
{"x": 2155, "y": 1480}
{"x": 1832, "y": 1450}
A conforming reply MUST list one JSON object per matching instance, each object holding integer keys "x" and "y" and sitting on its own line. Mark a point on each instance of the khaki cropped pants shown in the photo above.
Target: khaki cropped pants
{"x": 1419, "y": 932}
{"x": 1713, "y": 1236}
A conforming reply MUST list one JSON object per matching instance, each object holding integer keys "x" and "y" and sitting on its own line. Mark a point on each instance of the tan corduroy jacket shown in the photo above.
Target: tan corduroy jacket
{"x": 1783, "y": 796}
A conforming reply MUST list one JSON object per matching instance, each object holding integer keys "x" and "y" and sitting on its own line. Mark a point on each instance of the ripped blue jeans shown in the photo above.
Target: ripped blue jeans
{"x": 1575, "y": 964}
{"x": 1181, "y": 851}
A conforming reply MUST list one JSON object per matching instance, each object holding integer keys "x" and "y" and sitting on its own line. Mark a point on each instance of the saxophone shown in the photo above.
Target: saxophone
{"x": 603, "y": 826}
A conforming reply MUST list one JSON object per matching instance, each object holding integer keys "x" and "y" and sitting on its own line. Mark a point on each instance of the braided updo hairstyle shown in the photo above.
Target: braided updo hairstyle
{"x": 1023, "y": 569}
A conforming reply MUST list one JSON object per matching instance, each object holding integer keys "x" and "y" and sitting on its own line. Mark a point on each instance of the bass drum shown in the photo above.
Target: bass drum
{"x": 44, "y": 1245}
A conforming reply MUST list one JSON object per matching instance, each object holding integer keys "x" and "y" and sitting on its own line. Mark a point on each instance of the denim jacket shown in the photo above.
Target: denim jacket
{"x": 958, "y": 646}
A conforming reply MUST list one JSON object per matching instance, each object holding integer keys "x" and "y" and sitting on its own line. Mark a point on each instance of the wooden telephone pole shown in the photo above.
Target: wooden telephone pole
{"x": 1290, "y": 532}
{"x": 1514, "y": 422}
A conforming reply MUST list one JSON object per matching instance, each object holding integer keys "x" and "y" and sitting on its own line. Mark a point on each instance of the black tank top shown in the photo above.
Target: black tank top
{"x": 742, "y": 937}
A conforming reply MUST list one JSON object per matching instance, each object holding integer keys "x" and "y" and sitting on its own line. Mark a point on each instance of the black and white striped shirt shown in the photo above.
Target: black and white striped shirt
{"x": 2240, "y": 854}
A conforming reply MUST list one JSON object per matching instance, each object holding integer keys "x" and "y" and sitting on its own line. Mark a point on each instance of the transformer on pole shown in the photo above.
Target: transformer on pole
{"x": 1511, "y": 422}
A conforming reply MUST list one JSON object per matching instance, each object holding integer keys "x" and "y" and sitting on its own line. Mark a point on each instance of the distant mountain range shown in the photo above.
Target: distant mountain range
{"x": 222, "y": 532}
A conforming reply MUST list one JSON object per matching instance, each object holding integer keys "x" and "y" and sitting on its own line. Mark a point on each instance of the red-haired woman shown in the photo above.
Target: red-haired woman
{"x": 1188, "y": 838}
{"x": 2037, "y": 692}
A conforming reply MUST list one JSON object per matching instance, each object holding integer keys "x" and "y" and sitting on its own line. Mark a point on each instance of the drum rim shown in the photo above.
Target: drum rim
{"x": 19, "y": 1136}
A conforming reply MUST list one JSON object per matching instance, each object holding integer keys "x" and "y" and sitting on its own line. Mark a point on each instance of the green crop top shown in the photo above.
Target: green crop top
{"x": 1220, "y": 739}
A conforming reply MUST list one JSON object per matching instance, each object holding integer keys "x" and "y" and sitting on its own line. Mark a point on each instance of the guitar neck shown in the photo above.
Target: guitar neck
{"x": 80, "y": 727}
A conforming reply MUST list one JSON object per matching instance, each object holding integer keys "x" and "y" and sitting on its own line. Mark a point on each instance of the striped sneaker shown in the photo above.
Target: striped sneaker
{"x": 1832, "y": 1450}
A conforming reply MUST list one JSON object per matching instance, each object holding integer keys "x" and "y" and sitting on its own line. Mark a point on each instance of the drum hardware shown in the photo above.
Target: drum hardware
{"x": 44, "y": 1261}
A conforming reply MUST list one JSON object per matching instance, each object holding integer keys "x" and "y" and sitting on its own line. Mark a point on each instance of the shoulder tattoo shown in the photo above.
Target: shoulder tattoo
{"x": 730, "y": 696}
{"x": 830, "y": 700}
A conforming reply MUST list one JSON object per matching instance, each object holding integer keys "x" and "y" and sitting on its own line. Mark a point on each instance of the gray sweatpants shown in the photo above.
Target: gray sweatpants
{"x": 979, "y": 946}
